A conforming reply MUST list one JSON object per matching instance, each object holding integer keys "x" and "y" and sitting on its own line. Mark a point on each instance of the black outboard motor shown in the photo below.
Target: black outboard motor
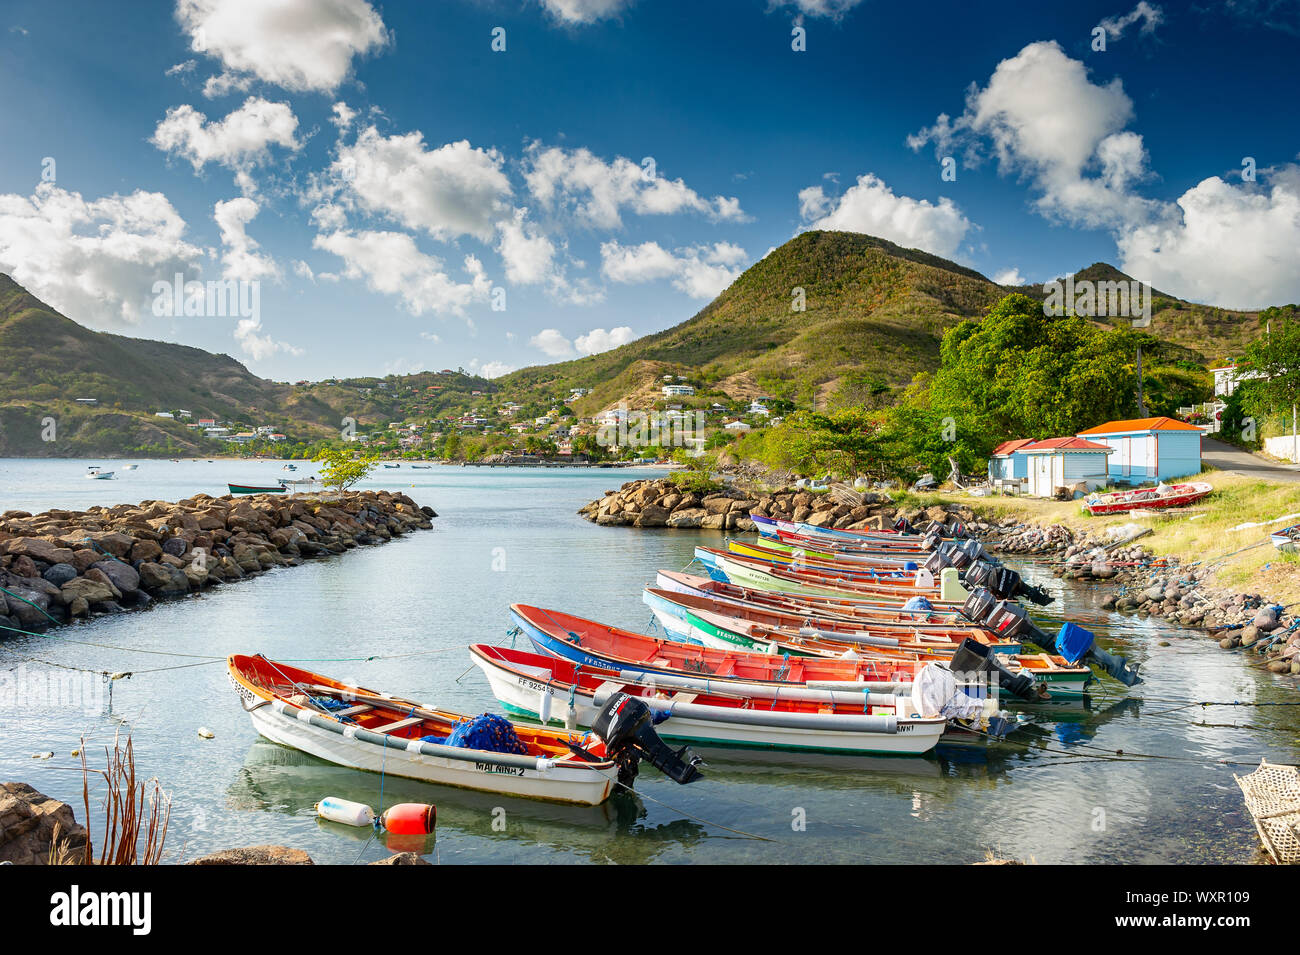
{"x": 904, "y": 526}
{"x": 1004, "y": 618}
{"x": 931, "y": 541}
{"x": 973, "y": 657}
{"x": 1004, "y": 582}
{"x": 625, "y": 724}
{"x": 979, "y": 605}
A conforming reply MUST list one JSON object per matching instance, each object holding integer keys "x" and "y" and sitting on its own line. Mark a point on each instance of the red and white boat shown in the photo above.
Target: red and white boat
{"x": 1148, "y": 498}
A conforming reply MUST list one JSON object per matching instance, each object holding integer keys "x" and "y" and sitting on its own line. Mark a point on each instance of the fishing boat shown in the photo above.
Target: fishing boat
{"x": 880, "y": 611}
{"x": 253, "y": 489}
{"x": 129, "y": 467}
{"x": 883, "y": 610}
{"x": 364, "y": 729}
{"x": 300, "y": 482}
{"x": 391, "y": 466}
{"x": 95, "y": 473}
{"x": 751, "y": 572}
{"x": 1287, "y": 540}
{"x": 421, "y": 467}
{"x": 1161, "y": 497}
{"x": 553, "y": 690}
{"x": 725, "y": 624}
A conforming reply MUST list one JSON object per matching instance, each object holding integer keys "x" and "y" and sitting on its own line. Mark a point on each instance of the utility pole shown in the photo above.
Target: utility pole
{"x": 1142, "y": 405}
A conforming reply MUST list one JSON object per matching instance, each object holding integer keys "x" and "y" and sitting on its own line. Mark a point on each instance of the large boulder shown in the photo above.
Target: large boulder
{"x": 255, "y": 855}
{"x": 176, "y": 546}
{"x": 145, "y": 550}
{"x": 160, "y": 578}
{"x": 687, "y": 517}
{"x": 38, "y": 549}
{"x": 60, "y": 574}
{"x": 652, "y": 515}
{"x": 123, "y": 576}
{"x": 27, "y": 823}
{"x": 91, "y": 591}
{"x": 28, "y": 605}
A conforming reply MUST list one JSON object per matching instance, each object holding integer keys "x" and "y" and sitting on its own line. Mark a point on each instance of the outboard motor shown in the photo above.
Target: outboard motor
{"x": 1004, "y": 582}
{"x": 957, "y": 557}
{"x": 931, "y": 541}
{"x": 625, "y": 724}
{"x": 973, "y": 549}
{"x": 973, "y": 657}
{"x": 1075, "y": 643}
{"x": 979, "y": 605}
{"x": 904, "y": 526}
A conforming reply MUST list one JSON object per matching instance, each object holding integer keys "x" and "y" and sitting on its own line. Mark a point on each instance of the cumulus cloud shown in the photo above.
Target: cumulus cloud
{"x": 300, "y": 45}
{"x": 1045, "y": 120}
{"x": 95, "y": 261}
{"x": 595, "y": 192}
{"x": 1237, "y": 246}
{"x": 598, "y": 340}
{"x": 872, "y": 207}
{"x": 584, "y": 11}
{"x": 1232, "y": 245}
{"x": 259, "y": 346}
{"x": 554, "y": 343}
{"x": 1010, "y": 276}
{"x": 528, "y": 256}
{"x": 240, "y": 142}
{"x": 1149, "y": 15}
{"x": 390, "y": 263}
{"x": 701, "y": 271}
{"x": 240, "y": 259}
{"x": 454, "y": 190}
{"x": 490, "y": 369}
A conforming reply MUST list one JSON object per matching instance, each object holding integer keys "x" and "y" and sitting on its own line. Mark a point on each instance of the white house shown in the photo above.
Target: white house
{"x": 1065, "y": 462}
{"x": 1227, "y": 377}
{"x": 671, "y": 391}
{"x": 164, "y": 414}
{"x": 737, "y": 425}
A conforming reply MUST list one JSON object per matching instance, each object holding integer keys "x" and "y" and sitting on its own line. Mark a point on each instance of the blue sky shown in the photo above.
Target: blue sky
{"x": 405, "y": 197}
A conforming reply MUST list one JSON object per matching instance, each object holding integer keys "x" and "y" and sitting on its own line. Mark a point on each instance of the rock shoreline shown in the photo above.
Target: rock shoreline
{"x": 1149, "y": 585}
{"x": 61, "y": 565}
{"x": 661, "y": 502}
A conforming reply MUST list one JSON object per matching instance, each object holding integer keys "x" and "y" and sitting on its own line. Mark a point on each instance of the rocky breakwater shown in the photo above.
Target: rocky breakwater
{"x": 61, "y": 565}
{"x": 664, "y": 503}
{"x": 1149, "y": 585}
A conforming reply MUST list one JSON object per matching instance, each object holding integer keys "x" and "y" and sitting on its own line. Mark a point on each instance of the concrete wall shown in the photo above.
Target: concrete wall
{"x": 1282, "y": 447}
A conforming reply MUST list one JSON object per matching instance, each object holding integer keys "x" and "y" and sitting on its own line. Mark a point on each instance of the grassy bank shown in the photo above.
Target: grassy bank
{"x": 1202, "y": 532}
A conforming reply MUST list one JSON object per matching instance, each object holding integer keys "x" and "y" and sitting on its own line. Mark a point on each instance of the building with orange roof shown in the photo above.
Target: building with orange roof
{"x": 1008, "y": 462}
{"x": 1149, "y": 449}
{"x": 1068, "y": 462}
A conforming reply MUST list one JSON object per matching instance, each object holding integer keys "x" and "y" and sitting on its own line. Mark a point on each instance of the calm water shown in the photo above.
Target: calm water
{"x": 512, "y": 535}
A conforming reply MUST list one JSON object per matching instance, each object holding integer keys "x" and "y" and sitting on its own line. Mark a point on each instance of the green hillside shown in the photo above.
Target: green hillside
{"x": 875, "y": 312}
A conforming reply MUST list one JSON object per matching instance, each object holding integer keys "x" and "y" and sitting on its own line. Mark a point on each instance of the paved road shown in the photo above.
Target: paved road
{"x": 1225, "y": 457}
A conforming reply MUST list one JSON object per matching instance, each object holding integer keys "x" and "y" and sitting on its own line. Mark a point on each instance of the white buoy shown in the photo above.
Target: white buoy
{"x": 206, "y": 733}
{"x": 345, "y": 811}
{"x": 544, "y": 707}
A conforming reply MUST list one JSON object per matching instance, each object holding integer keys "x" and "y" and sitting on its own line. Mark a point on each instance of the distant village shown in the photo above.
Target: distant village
{"x": 485, "y": 427}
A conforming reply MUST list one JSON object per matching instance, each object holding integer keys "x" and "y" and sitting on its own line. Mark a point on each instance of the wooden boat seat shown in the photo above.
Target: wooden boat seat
{"x": 727, "y": 668}
{"x": 399, "y": 725}
{"x": 352, "y": 710}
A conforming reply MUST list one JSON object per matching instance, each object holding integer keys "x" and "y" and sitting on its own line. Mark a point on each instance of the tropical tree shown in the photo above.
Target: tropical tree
{"x": 341, "y": 470}
{"x": 1276, "y": 356}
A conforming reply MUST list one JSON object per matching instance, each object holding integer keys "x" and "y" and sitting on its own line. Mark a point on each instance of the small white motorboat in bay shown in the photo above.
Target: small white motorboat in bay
{"x": 95, "y": 473}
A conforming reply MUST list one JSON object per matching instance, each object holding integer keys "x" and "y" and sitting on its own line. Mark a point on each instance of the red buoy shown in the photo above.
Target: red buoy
{"x": 410, "y": 818}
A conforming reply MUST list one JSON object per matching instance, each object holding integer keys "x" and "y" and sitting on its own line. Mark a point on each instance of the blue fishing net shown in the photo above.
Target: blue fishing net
{"x": 487, "y": 732}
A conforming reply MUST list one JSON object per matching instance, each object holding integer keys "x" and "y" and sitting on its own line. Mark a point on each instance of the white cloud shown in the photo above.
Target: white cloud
{"x": 595, "y": 191}
{"x": 240, "y": 259}
{"x": 297, "y": 44}
{"x": 303, "y": 270}
{"x": 872, "y": 207}
{"x": 342, "y": 116}
{"x": 700, "y": 271}
{"x": 1236, "y": 246}
{"x": 584, "y": 11}
{"x": 240, "y": 142}
{"x": 259, "y": 346}
{"x": 94, "y": 261}
{"x": 598, "y": 340}
{"x": 1151, "y": 17}
{"x": 490, "y": 369}
{"x": 551, "y": 341}
{"x": 450, "y": 191}
{"x": 529, "y": 257}
{"x": 1045, "y": 120}
{"x": 1010, "y": 276}
{"x": 833, "y": 9}
{"x": 390, "y": 263}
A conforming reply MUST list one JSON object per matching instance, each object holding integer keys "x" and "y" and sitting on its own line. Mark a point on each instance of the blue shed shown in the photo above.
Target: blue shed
{"x": 1149, "y": 449}
{"x": 1065, "y": 462}
{"x": 1008, "y": 461}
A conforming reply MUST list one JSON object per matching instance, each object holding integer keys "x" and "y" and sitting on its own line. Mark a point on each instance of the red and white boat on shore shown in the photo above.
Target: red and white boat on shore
{"x": 1148, "y": 498}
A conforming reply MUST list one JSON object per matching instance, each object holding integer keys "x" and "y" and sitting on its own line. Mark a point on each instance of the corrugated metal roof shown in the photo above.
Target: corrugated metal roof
{"x": 1161, "y": 423}
{"x": 1011, "y": 447}
{"x": 1066, "y": 444}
